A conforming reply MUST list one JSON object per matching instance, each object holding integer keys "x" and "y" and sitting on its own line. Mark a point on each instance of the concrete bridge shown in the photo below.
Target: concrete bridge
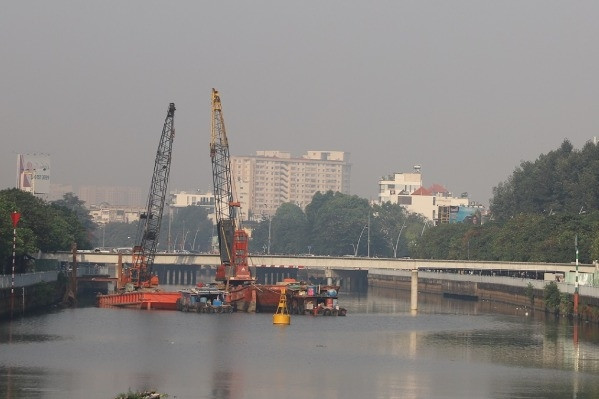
{"x": 349, "y": 272}
{"x": 337, "y": 263}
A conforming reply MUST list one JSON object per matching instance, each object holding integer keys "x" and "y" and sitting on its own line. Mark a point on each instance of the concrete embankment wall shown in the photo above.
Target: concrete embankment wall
{"x": 508, "y": 290}
{"x": 29, "y": 298}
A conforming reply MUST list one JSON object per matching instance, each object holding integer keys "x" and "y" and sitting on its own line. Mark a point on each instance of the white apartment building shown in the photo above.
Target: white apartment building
{"x": 406, "y": 190}
{"x": 182, "y": 199}
{"x": 268, "y": 179}
{"x": 102, "y": 214}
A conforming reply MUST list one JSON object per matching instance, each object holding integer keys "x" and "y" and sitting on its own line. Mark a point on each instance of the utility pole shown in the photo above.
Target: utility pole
{"x": 576, "y": 281}
{"x": 368, "y": 252}
{"x": 15, "y": 216}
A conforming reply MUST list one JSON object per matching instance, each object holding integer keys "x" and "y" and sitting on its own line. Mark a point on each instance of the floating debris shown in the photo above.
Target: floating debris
{"x": 141, "y": 395}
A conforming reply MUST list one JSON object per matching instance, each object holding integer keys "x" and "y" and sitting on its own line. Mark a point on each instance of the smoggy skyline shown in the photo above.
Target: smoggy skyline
{"x": 465, "y": 89}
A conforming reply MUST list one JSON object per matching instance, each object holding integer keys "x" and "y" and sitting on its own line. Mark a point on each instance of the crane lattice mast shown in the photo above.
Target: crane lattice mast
{"x": 149, "y": 223}
{"x": 232, "y": 240}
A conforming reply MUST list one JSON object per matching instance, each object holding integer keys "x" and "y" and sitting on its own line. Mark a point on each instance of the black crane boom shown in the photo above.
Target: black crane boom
{"x": 149, "y": 224}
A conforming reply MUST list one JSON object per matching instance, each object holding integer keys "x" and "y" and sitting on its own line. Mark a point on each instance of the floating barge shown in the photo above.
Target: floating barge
{"x": 302, "y": 298}
{"x": 164, "y": 300}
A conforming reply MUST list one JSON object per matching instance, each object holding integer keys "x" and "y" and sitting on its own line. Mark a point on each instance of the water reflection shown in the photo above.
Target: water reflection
{"x": 449, "y": 349}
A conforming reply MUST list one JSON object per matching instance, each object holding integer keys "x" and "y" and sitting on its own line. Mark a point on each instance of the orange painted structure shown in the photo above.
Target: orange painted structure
{"x": 164, "y": 300}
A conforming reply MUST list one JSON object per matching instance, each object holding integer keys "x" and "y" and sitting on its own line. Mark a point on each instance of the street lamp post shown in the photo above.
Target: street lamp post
{"x": 358, "y": 244}
{"x": 397, "y": 241}
{"x": 193, "y": 246}
{"x": 576, "y": 280}
{"x": 368, "y": 251}
{"x": 269, "y": 227}
{"x": 15, "y": 216}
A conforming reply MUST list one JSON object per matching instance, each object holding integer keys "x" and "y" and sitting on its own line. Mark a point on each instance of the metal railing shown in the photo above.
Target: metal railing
{"x": 511, "y": 281}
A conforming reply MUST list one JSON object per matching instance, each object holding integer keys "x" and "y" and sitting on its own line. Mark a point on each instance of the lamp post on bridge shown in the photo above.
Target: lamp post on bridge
{"x": 358, "y": 244}
{"x": 397, "y": 242}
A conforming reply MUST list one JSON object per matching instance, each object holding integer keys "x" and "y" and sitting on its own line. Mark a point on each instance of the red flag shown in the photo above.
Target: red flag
{"x": 15, "y": 218}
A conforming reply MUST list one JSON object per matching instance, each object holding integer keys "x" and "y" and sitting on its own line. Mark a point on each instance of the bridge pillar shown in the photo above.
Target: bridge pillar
{"x": 414, "y": 290}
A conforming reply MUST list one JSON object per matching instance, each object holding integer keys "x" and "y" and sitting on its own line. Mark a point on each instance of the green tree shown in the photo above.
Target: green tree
{"x": 561, "y": 181}
{"x": 337, "y": 224}
{"x": 288, "y": 230}
{"x": 552, "y": 296}
{"x": 43, "y": 227}
{"x": 72, "y": 208}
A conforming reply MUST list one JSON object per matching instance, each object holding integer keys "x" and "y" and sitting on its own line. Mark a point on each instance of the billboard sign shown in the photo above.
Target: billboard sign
{"x": 33, "y": 173}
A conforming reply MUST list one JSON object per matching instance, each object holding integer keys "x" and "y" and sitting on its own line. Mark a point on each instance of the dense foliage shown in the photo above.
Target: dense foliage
{"x": 525, "y": 238}
{"x": 536, "y": 215}
{"x": 43, "y": 226}
{"x": 337, "y": 224}
{"x": 563, "y": 181}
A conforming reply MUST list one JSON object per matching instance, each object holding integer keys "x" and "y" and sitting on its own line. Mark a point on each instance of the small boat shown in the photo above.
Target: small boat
{"x": 314, "y": 300}
{"x": 207, "y": 299}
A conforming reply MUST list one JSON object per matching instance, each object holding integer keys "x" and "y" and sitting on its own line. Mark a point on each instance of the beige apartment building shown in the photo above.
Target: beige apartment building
{"x": 270, "y": 178}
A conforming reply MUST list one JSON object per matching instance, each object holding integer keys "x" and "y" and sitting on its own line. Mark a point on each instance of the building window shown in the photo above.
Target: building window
{"x": 404, "y": 200}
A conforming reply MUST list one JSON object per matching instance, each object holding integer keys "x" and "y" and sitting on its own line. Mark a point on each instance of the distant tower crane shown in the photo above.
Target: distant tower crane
{"x": 232, "y": 240}
{"x": 140, "y": 274}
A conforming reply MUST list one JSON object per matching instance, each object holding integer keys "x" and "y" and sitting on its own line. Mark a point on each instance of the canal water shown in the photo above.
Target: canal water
{"x": 449, "y": 349}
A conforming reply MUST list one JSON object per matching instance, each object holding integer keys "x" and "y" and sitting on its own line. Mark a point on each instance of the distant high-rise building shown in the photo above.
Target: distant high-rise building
{"x": 113, "y": 195}
{"x": 270, "y": 178}
{"x": 33, "y": 173}
{"x": 57, "y": 191}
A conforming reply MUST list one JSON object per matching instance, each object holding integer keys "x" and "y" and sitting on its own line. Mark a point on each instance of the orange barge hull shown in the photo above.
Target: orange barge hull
{"x": 140, "y": 300}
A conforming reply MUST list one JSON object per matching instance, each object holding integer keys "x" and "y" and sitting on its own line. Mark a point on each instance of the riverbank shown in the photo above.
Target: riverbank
{"x": 31, "y": 298}
{"x": 531, "y": 294}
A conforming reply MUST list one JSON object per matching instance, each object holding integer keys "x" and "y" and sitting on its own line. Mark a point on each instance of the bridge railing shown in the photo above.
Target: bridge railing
{"x": 565, "y": 287}
{"x": 23, "y": 280}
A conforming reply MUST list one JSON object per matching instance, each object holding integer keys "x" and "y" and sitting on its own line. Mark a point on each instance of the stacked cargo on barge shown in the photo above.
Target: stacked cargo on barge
{"x": 302, "y": 298}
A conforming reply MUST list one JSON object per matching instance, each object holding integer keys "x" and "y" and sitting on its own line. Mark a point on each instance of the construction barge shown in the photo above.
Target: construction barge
{"x": 302, "y": 299}
{"x": 142, "y": 299}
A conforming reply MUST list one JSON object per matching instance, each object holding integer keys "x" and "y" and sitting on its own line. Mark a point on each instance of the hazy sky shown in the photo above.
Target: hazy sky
{"x": 467, "y": 89}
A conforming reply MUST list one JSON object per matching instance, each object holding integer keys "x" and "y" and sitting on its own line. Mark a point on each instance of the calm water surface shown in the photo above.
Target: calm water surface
{"x": 450, "y": 349}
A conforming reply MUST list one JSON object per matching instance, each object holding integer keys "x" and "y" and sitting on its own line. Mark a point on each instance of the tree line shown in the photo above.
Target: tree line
{"x": 542, "y": 213}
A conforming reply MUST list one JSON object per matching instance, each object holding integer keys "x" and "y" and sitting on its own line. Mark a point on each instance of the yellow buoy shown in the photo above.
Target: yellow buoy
{"x": 282, "y": 316}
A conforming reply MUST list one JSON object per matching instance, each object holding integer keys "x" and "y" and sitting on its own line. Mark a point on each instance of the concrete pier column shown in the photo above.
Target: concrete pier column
{"x": 329, "y": 280}
{"x": 414, "y": 290}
